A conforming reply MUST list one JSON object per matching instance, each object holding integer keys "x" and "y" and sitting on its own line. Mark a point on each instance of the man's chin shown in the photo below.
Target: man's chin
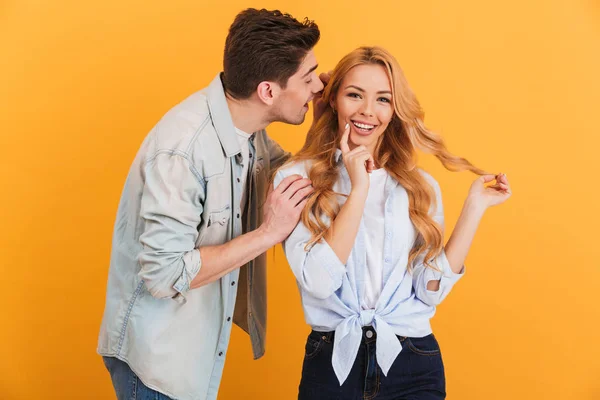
{"x": 300, "y": 120}
{"x": 297, "y": 121}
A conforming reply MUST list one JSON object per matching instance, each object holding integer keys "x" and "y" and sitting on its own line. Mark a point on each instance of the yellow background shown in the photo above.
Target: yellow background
{"x": 513, "y": 86}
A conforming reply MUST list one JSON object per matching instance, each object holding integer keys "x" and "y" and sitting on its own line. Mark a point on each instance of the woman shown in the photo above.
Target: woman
{"x": 368, "y": 253}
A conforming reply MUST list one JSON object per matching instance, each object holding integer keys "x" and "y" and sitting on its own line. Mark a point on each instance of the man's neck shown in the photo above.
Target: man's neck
{"x": 246, "y": 115}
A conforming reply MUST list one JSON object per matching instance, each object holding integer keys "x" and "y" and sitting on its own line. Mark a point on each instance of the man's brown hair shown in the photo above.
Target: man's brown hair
{"x": 264, "y": 45}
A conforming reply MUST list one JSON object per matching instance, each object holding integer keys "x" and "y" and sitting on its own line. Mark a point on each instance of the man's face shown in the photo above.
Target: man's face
{"x": 291, "y": 104}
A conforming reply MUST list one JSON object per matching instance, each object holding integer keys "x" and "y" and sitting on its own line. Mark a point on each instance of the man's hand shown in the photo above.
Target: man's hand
{"x": 319, "y": 104}
{"x": 283, "y": 207}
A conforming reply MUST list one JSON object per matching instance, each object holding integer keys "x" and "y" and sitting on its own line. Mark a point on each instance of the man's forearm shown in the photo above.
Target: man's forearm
{"x": 220, "y": 260}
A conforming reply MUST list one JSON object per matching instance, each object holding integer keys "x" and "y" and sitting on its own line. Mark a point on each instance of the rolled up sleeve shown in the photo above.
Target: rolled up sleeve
{"x": 171, "y": 208}
{"x": 422, "y": 274}
{"x": 318, "y": 271}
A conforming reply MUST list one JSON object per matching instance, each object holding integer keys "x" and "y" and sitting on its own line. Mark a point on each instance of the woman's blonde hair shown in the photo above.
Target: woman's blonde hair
{"x": 395, "y": 151}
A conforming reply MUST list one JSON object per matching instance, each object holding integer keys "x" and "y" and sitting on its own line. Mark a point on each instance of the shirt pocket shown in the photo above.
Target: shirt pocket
{"x": 216, "y": 230}
{"x": 219, "y": 218}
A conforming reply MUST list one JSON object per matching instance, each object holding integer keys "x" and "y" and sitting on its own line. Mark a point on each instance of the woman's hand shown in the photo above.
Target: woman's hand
{"x": 358, "y": 162}
{"x": 487, "y": 196}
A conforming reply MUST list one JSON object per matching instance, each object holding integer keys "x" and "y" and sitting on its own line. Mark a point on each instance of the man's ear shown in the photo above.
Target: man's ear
{"x": 267, "y": 92}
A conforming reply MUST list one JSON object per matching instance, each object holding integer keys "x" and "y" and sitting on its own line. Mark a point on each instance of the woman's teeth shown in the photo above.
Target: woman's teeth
{"x": 364, "y": 127}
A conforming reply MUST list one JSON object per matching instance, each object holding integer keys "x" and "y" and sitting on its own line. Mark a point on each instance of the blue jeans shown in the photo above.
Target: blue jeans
{"x": 127, "y": 385}
{"x": 417, "y": 373}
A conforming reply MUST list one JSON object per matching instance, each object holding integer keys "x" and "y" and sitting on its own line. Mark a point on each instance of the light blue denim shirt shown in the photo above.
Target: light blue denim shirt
{"x": 332, "y": 292}
{"x": 183, "y": 192}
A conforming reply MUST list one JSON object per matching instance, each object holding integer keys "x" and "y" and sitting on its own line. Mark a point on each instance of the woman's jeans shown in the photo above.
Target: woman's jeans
{"x": 417, "y": 372}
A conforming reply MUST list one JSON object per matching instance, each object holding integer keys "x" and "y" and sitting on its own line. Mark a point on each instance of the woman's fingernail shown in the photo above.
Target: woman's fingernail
{"x": 347, "y": 126}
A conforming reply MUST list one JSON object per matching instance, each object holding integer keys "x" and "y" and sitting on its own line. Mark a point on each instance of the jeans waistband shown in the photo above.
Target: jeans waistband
{"x": 368, "y": 334}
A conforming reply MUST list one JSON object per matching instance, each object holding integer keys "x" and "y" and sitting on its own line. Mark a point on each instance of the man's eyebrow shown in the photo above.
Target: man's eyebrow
{"x": 310, "y": 71}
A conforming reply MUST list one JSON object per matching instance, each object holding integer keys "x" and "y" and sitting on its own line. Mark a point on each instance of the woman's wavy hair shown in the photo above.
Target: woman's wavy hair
{"x": 395, "y": 151}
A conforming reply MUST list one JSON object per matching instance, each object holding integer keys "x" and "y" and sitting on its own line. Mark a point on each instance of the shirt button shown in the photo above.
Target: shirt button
{"x": 228, "y": 319}
{"x": 369, "y": 334}
{"x": 238, "y": 215}
{"x": 220, "y": 353}
{"x": 387, "y": 260}
{"x": 233, "y": 283}
{"x": 238, "y": 179}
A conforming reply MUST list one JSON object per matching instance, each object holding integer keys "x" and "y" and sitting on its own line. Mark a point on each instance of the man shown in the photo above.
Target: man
{"x": 191, "y": 214}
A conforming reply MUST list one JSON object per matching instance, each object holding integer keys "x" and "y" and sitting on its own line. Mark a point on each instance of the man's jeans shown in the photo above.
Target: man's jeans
{"x": 127, "y": 385}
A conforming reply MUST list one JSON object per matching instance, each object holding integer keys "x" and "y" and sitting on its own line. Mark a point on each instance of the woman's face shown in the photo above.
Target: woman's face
{"x": 364, "y": 100}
